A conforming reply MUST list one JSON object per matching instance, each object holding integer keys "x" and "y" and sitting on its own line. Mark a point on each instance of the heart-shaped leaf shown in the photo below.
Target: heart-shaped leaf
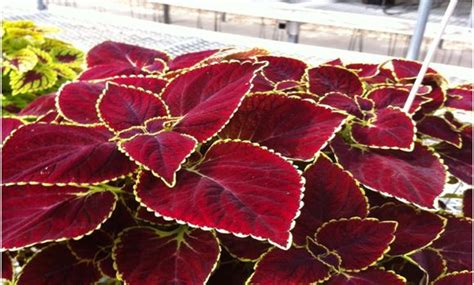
{"x": 325, "y": 79}
{"x": 391, "y": 128}
{"x": 384, "y": 76}
{"x": 359, "y": 242}
{"x": 331, "y": 193}
{"x": 62, "y": 154}
{"x": 268, "y": 120}
{"x": 35, "y": 214}
{"x": 293, "y": 266}
{"x": 283, "y": 68}
{"x": 371, "y": 276}
{"x": 417, "y": 176}
{"x": 188, "y": 60}
{"x": 10, "y": 124}
{"x": 244, "y": 249}
{"x": 342, "y": 102}
{"x": 389, "y": 96}
{"x": 76, "y": 102}
{"x": 416, "y": 228}
{"x": 237, "y": 187}
{"x": 364, "y": 70}
{"x": 161, "y": 153}
{"x": 459, "y": 98}
{"x": 122, "y": 107}
{"x": 455, "y": 244}
{"x": 189, "y": 256}
{"x": 56, "y": 265}
{"x": 430, "y": 261}
{"x": 439, "y": 128}
{"x": 207, "y": 97}
{"x": 407, "y": 69}
{"x": 261, "y": 84}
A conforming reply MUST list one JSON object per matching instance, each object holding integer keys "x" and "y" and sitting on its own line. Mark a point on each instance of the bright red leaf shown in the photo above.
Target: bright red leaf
{"x": 191, "y": 59}
{"x": 407, "y": 69}
{"x": 343, "y": 102}
{"x": 9, "y": 125}
{"x": 150, "y": 83}
{"x": 459, "y": 98}
{"x": 283, "y": 68}
{"x": 389, "y": 96}
{"x": 7, "y": 267}
{"x": 364, "y": 70}
{"x": 325, "y": 79}
{"x": 40, "y": 106}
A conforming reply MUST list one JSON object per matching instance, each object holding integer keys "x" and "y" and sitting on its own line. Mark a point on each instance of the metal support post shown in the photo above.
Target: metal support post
{"x": 418, "y": 34}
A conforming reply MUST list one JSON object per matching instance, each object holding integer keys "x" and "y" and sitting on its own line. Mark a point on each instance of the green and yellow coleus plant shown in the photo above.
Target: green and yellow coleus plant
{"x": 33, "y": 64}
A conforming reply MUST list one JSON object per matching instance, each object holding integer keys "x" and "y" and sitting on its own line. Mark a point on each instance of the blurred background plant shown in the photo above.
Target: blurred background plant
{"x": 34, "y": 64}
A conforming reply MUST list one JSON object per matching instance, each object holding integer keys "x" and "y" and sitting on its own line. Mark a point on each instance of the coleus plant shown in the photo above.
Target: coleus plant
{"x": 227, "y": 167}
{"x": 34, "y": 64}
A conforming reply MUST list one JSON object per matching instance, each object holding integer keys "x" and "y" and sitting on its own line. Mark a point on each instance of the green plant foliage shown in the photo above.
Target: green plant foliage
{"x": 33, "y": 64}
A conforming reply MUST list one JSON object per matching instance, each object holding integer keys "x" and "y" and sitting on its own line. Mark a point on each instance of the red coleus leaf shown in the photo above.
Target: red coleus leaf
{"x": 245, "y": 249}
{"x": 93, "y": 247}
{"x": 9, "y": 125}
{"x": 455, "y": 244}
{"x": 387, "y": 96}
{"x": 334, "y": 62}
{"x": 237, "y": 187}
{"x": 439, "y": 128}
{"x": 407, "y": 69}
{"x": 364, "y": 103}
{"x": 459, "y": 98}
{"x": 150, "y": 83}
{"x": 189, "y": 256}
{"x": 289, "y": 86}
{"x": 106, "y": 71}
{"x": 76, "y": 101}
{"x": 205, "y": 98}
{"x": 417, "y": 176}
{"x": 458, "y": 278}
{"x": 384, "y": 76}
{"x": 293, "y": 266}
{"x": 261, "y": 84}
{"x": 149, "y": 216}
{"x": 431, "y": 262}
{"x": 161, "y": 153}
{"x": 122, "y": 107}
{"x": 247, "y": 54}
{"x": 467, "y": 203}
{"x": 283, "y": 68}
{"x": 343, "y": 102}
{"x": 114, "y": 52}
{"x": 56, "y": 265}
{"x": 106, "y": 267}
{"x": 323, "y": 254}
{"x": 364, "y": 70}
{"x": 36, "y": 214}
{"x": 331, "y": 193}
{"x": 40, "y": 106}
{"x": 359, "y": 242}
{"x": 7, "y": 267}
{"x": 325, "y": 79}
{"x": 41, "y": 153}
{"x": 391, "y": 128}
{"x": 459, "y": 161}
{"x": 416, "y": 228}
{"x": 437, "y": 97}
{"x": 191, "y": 59}
{"x": 269, "y": 121}
{"x": 371, "y": 276}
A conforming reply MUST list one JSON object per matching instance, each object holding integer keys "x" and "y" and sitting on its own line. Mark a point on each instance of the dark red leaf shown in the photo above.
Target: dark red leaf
{"x": 150, "y": 217}
{"x": 50, "y": 117}
{"x": 269, "y": 121}
{"x": 149, "y": 256}
{"x": 157, "y": 67}
{"x": 150, "y": 83}
{"x": 391, "y": 128}
{"x": 126, "y": 54}
{"x": 371, "y": 276}
{"x": 458, "y": 278}
{"x": 437, "y": 98}
{"x": 294, "y": 266}
{"x": 459, "y": 161}
{"x": 247, "y": 54}
{"x": 40, "y": 106}
{"x": 261, "y": 84}
{"x": 359, "y": 242}
{"x": 121, "y": 219}
{"x": 334, "y": 62}
{"x": 93, "y": 247}
{"x": 56, "y": 265}
{"x": 191, "y": 59}
{"x": 340, "y": 101}
{"x": 459, "y": 98}
{"x": 384, "y": 97}
{"x": 325, "y": 79}
{"x": 122, "y": 107}
{"x": 384, "y": 76}
{"x": 283, "y": 68}
{"x": 416, "y": 228}
{"x": 36, "y": 214}
{"x": 417, "y": 176}
{"x": 431, "y": 262}
{"x": 467, "y": 203}
{"x": 289, "y": 86}
{"x": 364, "y": 70}
{"x": 323, "y": 254}
{"x": 364, "y": 103}
{"x": 452, "y": 120}
{"x": 455, "y": 244}
{"x": 331, "y": 193}
{"x": 407, "y": 69}
{"x": 161, "y": 153}
{"x": 106, "y": 267}
{"x": 207, "y": 97}
{"x": 245, "y": 249}
{"x": 439, "y": 128}
{"x": 231, "y": 272}
{"x": 9, "y": 125}
{"x": 238, "y": 188}
{"x": 77, "y": 101}
{"x": 65, "y": 154}
{"x": 7, "y": 267}
{"x": 111, "y": 70}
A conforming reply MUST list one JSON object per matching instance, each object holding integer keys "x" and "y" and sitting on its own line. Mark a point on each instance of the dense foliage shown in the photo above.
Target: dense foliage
{"x": 230, "y": 167}
{"x": 34, "y": 64}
